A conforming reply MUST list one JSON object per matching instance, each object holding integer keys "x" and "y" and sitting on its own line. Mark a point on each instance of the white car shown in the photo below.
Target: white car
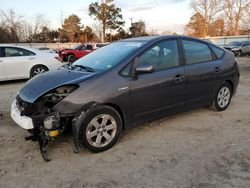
{"x": 21, "y": 62}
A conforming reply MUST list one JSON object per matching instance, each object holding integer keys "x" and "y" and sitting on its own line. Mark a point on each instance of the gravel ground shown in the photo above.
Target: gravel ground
{"x": 200, "y": 148}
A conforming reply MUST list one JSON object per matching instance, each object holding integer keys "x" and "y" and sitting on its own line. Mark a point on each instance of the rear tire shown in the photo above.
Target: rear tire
{"x": 100, "y": 128}
{"x": 222, "y": 97}
{"x": 71, "y": 58}
{"x": 38, "y": 69}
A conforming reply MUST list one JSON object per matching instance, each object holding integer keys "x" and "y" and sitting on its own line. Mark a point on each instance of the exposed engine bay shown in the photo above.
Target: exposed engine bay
{"x": 47, "y": 123}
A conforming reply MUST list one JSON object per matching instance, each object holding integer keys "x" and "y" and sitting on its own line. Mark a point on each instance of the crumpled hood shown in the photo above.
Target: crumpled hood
{"x": 231, "y": 47}
{"x": 41, "y": 84}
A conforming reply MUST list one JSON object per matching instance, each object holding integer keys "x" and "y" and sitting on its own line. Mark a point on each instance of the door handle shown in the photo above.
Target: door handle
{"x": 217, "y": 69}
{"x": 179, "y": 78}
{"x": 1, "y": 61}
{"x": 32, "y": 58}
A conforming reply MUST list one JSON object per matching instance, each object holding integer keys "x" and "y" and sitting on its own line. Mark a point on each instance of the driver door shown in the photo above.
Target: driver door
{"x": 163, "y": 91}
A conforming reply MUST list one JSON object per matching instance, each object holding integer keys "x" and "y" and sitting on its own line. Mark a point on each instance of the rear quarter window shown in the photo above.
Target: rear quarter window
{"x": 217, "y": 51}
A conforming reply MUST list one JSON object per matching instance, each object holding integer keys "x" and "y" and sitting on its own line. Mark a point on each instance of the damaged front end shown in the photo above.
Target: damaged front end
{"x": 42, "y": 121}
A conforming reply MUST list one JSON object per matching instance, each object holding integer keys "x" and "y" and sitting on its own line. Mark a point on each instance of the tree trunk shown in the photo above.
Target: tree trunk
{"x": 236, "y": 27}
{"x": 103, "y": 31}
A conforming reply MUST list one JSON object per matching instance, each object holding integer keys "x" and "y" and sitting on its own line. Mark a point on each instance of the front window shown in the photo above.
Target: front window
{"x": 109, "y": 56}
{"x": 163, "y": 56}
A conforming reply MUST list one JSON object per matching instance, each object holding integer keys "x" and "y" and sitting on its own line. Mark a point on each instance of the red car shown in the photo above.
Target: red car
{"x": 70, "y": 55}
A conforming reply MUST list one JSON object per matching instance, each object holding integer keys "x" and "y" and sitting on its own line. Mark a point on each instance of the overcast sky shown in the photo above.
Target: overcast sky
{"x": 160, "y": 15}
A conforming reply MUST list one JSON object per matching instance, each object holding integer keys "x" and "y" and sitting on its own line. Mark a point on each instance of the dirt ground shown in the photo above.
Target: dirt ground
{"x": 195, "y": 149}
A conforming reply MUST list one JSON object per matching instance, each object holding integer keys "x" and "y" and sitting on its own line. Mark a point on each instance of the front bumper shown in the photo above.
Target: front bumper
{"x": 23, "y": 121}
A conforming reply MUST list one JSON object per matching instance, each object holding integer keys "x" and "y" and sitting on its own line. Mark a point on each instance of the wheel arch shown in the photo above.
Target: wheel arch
{"x": 70, "y": 54}
{"x": 231, "y": 84}
{"x": 119, "y": 110}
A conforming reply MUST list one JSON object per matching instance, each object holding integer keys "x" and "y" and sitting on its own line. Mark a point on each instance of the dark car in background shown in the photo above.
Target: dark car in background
{"x": 239, "y": 48}
{"x": 123, "y": 84}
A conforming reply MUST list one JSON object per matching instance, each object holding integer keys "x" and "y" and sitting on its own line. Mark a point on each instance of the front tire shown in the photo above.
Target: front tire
{"x": 222, "y": 97}
{"x": 240, "y": 53}
{"x": 100, "y": 128}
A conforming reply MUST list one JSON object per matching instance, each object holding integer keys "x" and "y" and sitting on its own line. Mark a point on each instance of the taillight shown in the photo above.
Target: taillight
{"x": 58, "y": 58}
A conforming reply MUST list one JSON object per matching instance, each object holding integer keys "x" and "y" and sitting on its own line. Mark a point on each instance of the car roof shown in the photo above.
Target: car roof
{"x": 156, "y": 38}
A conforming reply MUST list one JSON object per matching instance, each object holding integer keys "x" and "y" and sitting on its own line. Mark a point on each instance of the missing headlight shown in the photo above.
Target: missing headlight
{"x": 56, "y": 95}
{"x": 47, "y": 122}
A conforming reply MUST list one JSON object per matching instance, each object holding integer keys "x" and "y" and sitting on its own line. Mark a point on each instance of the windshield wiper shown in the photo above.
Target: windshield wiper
{"x": 89, "y": 69}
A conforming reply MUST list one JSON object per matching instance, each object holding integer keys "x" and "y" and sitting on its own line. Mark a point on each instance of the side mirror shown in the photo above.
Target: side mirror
{"x": 144, "y": 69}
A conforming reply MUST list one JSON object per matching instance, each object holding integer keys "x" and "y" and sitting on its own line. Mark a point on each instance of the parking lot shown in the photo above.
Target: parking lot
{"x": 201, "y": 148}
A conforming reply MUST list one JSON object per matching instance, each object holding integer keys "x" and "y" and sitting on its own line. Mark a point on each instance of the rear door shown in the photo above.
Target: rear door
{"x": 2, "y": 71}
{"x": 158, "y": 93}
{"x": 202, "y": 71}
{"x": 17, "y": 62}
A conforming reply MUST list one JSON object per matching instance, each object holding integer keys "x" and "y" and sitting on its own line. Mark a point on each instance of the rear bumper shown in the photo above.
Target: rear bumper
{"x": 23, "y": 121}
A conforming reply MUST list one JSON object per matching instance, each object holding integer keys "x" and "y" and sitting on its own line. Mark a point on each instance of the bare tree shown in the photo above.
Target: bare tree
{"x": 229, "y": 11}
{"x": 40, "y": 21}
{"x": 13, "y": 22}
{"x": 236, "y": 11}
{"x": 208, "y": 9}
{"x": 246, "y": 18}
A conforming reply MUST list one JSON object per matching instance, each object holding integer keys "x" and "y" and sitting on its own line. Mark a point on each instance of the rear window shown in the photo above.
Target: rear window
{"x": 217, "y": 51}
{"x": 89, "y": 47}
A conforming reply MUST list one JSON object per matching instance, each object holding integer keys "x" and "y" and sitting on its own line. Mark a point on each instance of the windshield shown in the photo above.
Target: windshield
{"x": 76, "y": 46}
{"x": 235, "y": 44}
{"x": 109, "y": 56}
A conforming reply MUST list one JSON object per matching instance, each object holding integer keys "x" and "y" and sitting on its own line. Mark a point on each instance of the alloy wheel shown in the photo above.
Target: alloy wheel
{"x": 223, "y": 97}
{"x": 101, "y": 130}
{"x": 38, "y": 70}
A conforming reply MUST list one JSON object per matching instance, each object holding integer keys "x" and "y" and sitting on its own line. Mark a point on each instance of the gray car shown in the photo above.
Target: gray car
{"x": 239, "y": 48}
{"x": 123, "y": 84}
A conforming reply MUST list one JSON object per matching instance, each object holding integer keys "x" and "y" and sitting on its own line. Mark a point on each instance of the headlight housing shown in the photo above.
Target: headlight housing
{"x": 56, "y": 95}
{"x": 235, "y": 49}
